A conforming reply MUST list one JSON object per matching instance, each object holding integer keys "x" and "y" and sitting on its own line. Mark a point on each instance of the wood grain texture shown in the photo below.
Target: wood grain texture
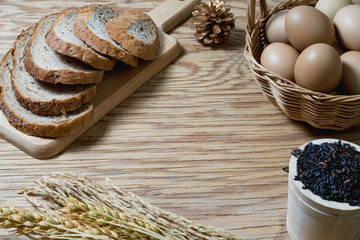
{"x": 198, "y": 139}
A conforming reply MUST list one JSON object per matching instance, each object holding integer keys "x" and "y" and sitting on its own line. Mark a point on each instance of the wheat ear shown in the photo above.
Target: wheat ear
{"x": 119, "y": 223}
{"x": 27, "y": 222}
{"x": 59, "y": 187}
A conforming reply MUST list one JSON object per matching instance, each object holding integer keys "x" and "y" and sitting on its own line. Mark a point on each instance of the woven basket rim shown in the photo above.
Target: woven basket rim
{"x": 275, "y": 78}
{"x": 321, "y": 110}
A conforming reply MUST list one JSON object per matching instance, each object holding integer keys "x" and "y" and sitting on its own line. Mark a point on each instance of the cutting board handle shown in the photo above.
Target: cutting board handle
{"x": 172, "y": 12}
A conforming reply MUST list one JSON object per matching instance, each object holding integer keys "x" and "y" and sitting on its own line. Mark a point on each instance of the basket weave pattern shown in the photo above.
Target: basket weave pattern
{"x": 318, "y": 109}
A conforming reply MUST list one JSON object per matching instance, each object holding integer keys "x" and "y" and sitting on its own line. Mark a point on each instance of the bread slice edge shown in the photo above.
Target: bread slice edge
{"x": 55, "y": 106}
{"x": 32, "y": 128}
{"x": 70, "y": 49}
{"x": 101, "y": 45}
{"x": 117, "y": 29}
{"x": 64, "y": 76}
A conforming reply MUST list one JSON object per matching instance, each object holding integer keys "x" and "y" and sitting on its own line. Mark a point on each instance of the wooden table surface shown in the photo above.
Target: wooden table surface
{"x": 198, "y": 139}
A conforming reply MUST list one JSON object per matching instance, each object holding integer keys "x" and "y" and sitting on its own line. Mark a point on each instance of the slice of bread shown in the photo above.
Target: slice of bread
{"x": 42, "y": 97}
{"x": 45, "y": 64}
{"x": 62, "y": 39}
{"x": 30, "y": 123}
{"x": 91, "y": 28}
{"x": 136, "y": 32}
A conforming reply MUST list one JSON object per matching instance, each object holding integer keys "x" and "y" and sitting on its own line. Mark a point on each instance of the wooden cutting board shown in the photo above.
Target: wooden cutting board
{"x": 116, "y": 85}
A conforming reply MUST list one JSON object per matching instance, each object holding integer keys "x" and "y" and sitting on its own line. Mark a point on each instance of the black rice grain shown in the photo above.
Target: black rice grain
{"x": 330, "y": 170}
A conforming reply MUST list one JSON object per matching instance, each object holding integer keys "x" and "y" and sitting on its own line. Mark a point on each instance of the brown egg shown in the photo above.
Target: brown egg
{"x": 280, "y": 58}
{"x": 275, "y": 28}
{"x": 307, "y": 25}
{"x": 350, "y": 82}
{"x": 318, "y": 68}
{"x": 330, "y": 7}
{"x": 347, "y": 25}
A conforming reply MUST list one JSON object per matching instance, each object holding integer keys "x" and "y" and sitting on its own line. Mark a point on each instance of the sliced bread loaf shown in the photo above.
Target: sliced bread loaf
{"x": 62, "y": 39}
{"x": 136, "y": 32}
{"x": 42, "y": 97}
{"x": 91, "y": 28}
{"x": 47, "y": 65}
{"x": 30, "y": 123}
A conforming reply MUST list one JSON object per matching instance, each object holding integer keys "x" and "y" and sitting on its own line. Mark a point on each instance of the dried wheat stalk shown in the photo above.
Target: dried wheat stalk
{"x": 59, "y": 187}
{"x": 119, "y": 223}
{"x": 27, "y": 222}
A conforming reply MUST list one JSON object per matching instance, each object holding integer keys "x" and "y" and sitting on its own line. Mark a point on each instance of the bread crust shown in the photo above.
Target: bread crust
{"x": 103, "y": 46}
{"x": 64, "y": 76}
{"x": 34, "y": 129}
{"x": 69, "y": 49}
{"x": 51, "y": 131}
{"x": 117, "y": 29}
{"x": 55, "y": 106}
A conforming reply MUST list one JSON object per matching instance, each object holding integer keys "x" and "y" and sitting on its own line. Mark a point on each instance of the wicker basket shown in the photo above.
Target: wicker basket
{"x": 318, "y": 109}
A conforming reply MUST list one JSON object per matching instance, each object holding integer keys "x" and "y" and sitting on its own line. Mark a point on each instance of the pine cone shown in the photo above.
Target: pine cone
{"x": 212, "y": 21}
